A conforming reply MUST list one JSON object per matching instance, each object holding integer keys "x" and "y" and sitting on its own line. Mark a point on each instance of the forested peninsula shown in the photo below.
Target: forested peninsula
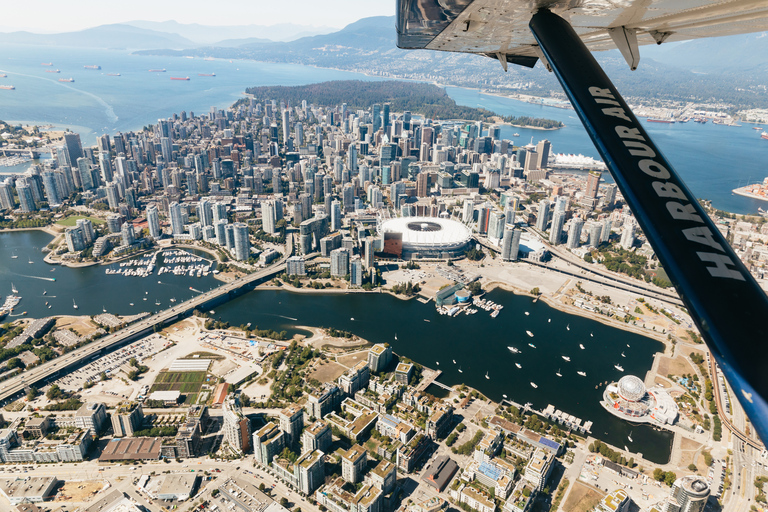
{"x": 427, "y": 100}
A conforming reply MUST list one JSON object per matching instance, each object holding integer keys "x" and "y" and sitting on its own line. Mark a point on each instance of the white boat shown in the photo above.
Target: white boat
{"x": 591, "y": 335}
{"x": 514, "y": 350}
{"x": 437, "y": 363}
{"x": 45, "y": 292}
{"x": 130, "y": 303}
{"x": 352, "y": 319}
{"x": 505, "y": 396}
{"x": 460, "y": 370}
{"x": 157, "y": 303}
{"x": 395, "y": 335}
{"x": 566, "y": 358}
{"x": 581, "y": 346}
{"x": 568, "y": 327}
{"x": 527, "y": 313}
{"x": 529, "y": 333}
{"x": 618, "y": 367}
{"x": 625, "y": 448}
{"x": 173, "y": 299}
{"x": 454, "y": 361}
{"x": 582, "y": 374}
{"x": 532, "y": 345}
{"x": 74, "y": 304}
{"x": 103, "y": 309}
{"x": 549, "y": 320}
{"x": 622, "y": 354}
{"x": 627, "y": 345}
{"x": 14, "y": 256}
{"x": 13, "y": 288}
{"x": 486, "y": 376}
{"x": 558, "y": 373}
{"x": 533, "y": 384}
{"x": 630, "y": 437}
{"x": 518, "y": 365}
{"x": 144, "y": 298}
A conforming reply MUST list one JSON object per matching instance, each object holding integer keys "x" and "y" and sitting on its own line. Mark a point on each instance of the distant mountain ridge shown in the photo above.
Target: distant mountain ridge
{"x": 103, "y": 36}
{"x": 217, "y": 35}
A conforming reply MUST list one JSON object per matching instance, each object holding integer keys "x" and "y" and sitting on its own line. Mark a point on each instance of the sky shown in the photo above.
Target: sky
{"x": 46, "y": 16}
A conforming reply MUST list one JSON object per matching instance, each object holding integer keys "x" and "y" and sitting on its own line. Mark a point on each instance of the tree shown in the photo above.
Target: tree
{"x": 284, "y": 502}
{"x": 54, "y": 392}
{"x": 670, "y": 478}
{"x": 15, "y": 362}
{"x": 32, "y": 394}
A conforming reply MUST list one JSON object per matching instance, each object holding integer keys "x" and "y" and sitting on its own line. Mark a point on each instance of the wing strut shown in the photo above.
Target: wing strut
{"x": 728, "y": 306}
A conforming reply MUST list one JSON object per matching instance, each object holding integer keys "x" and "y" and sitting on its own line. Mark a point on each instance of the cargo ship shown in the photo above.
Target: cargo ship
{"x": 113, "y": 74}
{"x": 46, "y": 63}
{"x": 157, "y": 70}
{"x": 3, "y": 75}
{"x": 179, "y": 78}
{"x": 7, "y": 87}
{"x": 52, "y": 71}
{"x": 92, "y": 66}
{"x": 764, "y": 135}
{"x": 658, "y": 120}
{"x": 66, "y": 79}
{"x": 206, "y": 74}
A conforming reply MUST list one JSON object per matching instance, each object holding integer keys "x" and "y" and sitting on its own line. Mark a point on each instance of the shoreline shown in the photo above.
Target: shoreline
{"x": 742, "y": 192}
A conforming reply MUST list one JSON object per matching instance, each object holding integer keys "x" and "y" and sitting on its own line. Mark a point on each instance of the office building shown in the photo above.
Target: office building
{"x": 628, "y": 235}
{"x": 91, "y": 415}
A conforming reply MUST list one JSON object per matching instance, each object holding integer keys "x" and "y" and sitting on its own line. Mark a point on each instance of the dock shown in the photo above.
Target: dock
{"x": 556, "y": 416}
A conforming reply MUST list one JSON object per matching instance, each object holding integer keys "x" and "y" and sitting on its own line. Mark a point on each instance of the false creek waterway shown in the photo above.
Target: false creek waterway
{"x": 96, "y": 103}
{"x": 477, "y": 343}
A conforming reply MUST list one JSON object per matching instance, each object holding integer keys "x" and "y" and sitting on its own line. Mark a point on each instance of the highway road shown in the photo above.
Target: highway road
{"x": 16, "y": 385}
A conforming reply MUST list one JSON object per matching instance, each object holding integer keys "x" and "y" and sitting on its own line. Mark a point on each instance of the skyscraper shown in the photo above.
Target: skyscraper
{"x": 26, "y": 201}
{"x": 574, "y": 232}
{"x": 339, "y": 262}
{"x": 128, "y": 234}
{"x": 689, "y": 494}
{"x": 593, "y": 183}
{"x": 510, "y": 244}
{"x": 177, "y": 223}
{"x": 242, "y": 244}
{"x": 628, "y": 235}
{"x": 51, "y": 188}
{"x": 153, "y": 220}
{"x": 237, "y": 426}
{"x": 73, "y": 147}
{"x": 268, "y": 217}
{"x": 542, "y": 219}
{"x": 74, "y": 238}
{"x": 542, "y": 148}
{"x": 335, "y": 215}
{"x": 556, "y": 233}
{"x": 356, "y": 272}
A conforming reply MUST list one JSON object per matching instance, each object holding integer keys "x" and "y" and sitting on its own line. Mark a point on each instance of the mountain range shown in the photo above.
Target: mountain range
{"x": 731, "y": 70}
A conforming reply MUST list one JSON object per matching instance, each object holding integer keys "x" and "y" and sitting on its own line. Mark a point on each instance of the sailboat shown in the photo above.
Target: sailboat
{"x": 395, "y": 335}
{"x": 45, "y": 292}
{"x": 13, "y": 288}
{"x": 558, "y": 373}
{"x": 103, "y": 309}
{"x": 29, "y": 260}
{"x": 618, "y": 367}
{"x": 14, "y": 255}
{"x": 591, "y": 335}
{"x": 460, "y": 370}
{"x": 568, "y": 327}
{"x": 622, "y": 354}
{"x": 486, "y": 376}
{"x": 454, "y": 361}
{"x": 630, "y": 437}
{"x": 74, "y": 304}
{"x": 566, "y": 358}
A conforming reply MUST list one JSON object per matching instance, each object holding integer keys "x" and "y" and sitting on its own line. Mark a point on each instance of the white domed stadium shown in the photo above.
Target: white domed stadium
{"x": 424, "y": 237}
{"x": 630, "y": 400}
{"x": 631, "y": 388}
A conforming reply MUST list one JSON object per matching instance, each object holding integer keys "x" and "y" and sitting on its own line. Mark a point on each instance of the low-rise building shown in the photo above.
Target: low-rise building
{"x": 476, "y": 499}
{"x": 75, "y": 447}
{"x": 91, "y": 415}
{"x": 336, "y": 498}
{"x": 39, "y": 427}
{"x": 403, "y": 372}
{"x": 31, "y": 489}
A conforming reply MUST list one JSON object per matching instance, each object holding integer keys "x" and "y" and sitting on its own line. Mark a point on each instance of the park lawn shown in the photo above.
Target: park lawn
{"x": 72, "y": 220}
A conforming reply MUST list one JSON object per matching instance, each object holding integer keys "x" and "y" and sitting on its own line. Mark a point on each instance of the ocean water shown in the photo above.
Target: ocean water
{"x": 712, "y": 159}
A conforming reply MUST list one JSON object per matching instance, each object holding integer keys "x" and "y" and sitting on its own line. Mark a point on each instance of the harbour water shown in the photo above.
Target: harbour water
{"x": 712, "y": 159}
{"x": 478, "y": 343}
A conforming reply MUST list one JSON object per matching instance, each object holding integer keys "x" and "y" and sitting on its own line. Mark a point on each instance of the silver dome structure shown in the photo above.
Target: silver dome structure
{"x": 631, "y": 388}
